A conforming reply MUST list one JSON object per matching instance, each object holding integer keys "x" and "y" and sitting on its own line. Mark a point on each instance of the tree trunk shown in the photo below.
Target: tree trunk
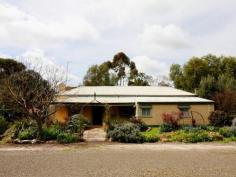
{"x": 40, "y": 128}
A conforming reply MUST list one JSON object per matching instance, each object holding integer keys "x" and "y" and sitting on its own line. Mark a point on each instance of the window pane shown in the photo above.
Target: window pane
{"x": 185, "y": 114}
{"x": 146, "y": 112}
{"x": 185, "y": 111}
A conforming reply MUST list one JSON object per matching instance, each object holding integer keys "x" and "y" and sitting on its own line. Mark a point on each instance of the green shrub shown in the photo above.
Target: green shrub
{"x": 27, "y": 134}
{"x": 24, "y": 129}
{"x": 21, "y": 125}
{"x": 211, "y": 128}
{"x": 198, "y": 137}
{"x": 191, "y": 137}
{"x": 3, "y": 125}
{"x": 67, "y": 138}
{"x": 227, "y": 131}
{"x": 51, "y": 133}
{"x": 233, "y": 130}
{"x": 151, "y": 138}
{"x": 125, "y": 133}
{"x": 230, "y": 139}
{"x": 112, "y": 123}
{"x": 167, "y": 128}
{"x": 191, "y": 129}
{"x": 142, "y": 125}
{"x": 77, "y": 124}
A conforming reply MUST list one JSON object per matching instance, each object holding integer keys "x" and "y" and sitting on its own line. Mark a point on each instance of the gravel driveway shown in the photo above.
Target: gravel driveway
{"x": 119, "y": 160}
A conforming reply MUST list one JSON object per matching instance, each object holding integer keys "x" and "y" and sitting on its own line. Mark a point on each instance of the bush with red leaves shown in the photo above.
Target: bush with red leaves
{"x": 171, "y": 118}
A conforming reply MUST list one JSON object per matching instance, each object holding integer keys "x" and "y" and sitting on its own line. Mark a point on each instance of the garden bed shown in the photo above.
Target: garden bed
{"x": 170, "y": 131}
{"x": 189, "y": 134}
{"x": 26, "y": 132}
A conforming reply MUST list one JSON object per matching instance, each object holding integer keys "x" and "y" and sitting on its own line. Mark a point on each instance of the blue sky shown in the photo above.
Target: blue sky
{"x": 153, "y": 33}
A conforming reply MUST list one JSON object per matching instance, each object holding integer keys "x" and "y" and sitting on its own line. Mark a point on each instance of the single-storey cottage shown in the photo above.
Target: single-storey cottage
{"x": 99, "y": 104}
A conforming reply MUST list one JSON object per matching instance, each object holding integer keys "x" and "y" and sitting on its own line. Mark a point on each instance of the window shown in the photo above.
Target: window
{"x": 185, "y": 111}
{"x": 146, "y": 110}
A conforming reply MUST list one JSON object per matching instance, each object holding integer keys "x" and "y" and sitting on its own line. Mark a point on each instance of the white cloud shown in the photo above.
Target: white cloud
{"x": 169, "y": 36}
{"x": 37, "y": 60}
{"x": 90, "y": 32}
{"x": 20, "y": 29}
{"x": 151, "y": 66}
{"x": 3, "y": 55}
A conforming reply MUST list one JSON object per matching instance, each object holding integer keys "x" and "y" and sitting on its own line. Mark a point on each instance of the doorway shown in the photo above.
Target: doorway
{"x": 97, "y": 113}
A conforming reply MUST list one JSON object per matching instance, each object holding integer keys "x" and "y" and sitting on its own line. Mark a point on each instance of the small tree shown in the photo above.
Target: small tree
{"x": 225, "y": 104}
{"x": 226, "y": 101}
{"x": 31, "y": 94}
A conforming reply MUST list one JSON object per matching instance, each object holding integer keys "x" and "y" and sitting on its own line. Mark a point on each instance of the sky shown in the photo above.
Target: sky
{"x": 80, "y": 33}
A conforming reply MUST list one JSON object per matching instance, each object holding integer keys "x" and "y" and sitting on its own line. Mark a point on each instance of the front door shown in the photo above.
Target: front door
{"x": 97, "y": 115}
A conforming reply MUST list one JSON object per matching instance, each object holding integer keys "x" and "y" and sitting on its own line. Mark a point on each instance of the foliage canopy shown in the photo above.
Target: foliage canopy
{"x": 118, "y": 71}
{"x": 208, "y": 74}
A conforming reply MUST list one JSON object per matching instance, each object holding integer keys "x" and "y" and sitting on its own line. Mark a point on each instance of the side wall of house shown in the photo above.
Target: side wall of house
{"x": 200, "y": 112}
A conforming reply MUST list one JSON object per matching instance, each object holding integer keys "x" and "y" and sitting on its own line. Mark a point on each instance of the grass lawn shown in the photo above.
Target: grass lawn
{"x": 152, "y": 135}
{"x": 154, "y": 131}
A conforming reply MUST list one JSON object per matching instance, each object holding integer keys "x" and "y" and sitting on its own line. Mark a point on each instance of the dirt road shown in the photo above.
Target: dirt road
{"x": 119, "y": 160}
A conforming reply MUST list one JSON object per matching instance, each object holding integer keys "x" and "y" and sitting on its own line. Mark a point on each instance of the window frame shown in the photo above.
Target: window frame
{"x": 147, "y": 107}
{"x": 185, "y": 110}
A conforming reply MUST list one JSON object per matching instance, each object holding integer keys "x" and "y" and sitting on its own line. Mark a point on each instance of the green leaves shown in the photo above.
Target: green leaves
{"x": 208, "y": 74}
{"x": 119, "y": 71}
